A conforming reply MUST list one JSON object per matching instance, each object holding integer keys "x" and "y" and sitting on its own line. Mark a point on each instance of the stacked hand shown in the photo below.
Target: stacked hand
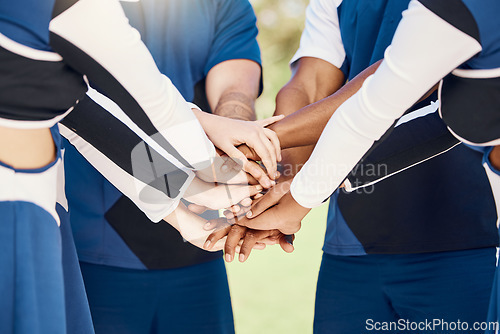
{"x": 259, "y": 212}
{"x": 271, "y": 219}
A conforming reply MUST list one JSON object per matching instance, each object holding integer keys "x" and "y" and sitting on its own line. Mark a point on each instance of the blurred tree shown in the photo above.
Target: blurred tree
{"x": 280, "y": 25}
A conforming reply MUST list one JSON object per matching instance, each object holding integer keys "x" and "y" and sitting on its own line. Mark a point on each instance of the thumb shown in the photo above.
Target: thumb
{"x": 264, "y": 203}
{"x": 270, "y": 120}
{"x": 286, "y": 242}
{"x": 198, "y": 209}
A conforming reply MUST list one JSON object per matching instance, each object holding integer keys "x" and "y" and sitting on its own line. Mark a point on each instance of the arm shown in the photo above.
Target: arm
{"x": 232, "y": 88}
{"x": 312, "y": 80}
{"x": 304, "y": 126}
{"x": 408, "y": 71}
{"x": 110, "y": 53}
{"x": 233, "y": 77}
{"x": 412, "y": 66}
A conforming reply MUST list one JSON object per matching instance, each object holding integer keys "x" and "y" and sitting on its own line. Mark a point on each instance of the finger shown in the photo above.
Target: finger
{"x": 236, "y": 155}
{"x": 286, "y": 242}
{"x": 219, "y": 245}
{"x": 259, "y": 195}
{"x": 250, "y": 240}
{"x": 234, "y": 215}
{"x": 255, "y": 171}
{"x": 236, "y": 208}
{"x": 267, "y": 155}
{"x": 265, "y": 221}
{"x": 238, "y": 193}
{"x": 235, "y": 234}
{"x": 247, "y": 202}
{"x": 198, "y": 209}
{"x": 270, "y": 162}
{"x": 215, "y": 223}
{"x": 215, "y": 237}
{"x": 229, "y": 164}
{"x": 262, "y": 204}
{"x": 259, "y": 246}
{"x": 273, "y": 137}
{"x": 270, "y": 120}
{"x": 248, "y": 152}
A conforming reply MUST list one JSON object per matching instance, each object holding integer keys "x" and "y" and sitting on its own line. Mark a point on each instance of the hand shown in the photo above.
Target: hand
{"x": 222, "y": 196}
{"x": 234, "y": 211}
{"x": 242, "y": 240}
{"x": 227, "y": 134}
{"x": 275, "y": 210}
{"x": 225, "y": 170}
{"x": 194, "y": 228}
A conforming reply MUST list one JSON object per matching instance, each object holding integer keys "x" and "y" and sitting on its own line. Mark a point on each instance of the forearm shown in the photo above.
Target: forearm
{"x": 232, "y": 88}
{"x": 237, "y": 105}
{"x": 304, "y": 126}
{"x": 111, "y": 54}
{"x": 293, "y": 160}
{"x": 406, "y": 74}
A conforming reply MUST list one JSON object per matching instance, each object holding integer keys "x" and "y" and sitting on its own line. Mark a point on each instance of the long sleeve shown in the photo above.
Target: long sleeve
{"x": 406, "y": 73}
{"x": 94, "y": 37}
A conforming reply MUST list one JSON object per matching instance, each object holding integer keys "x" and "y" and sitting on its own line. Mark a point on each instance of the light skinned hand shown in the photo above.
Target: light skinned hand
{"x": 193, "y": 227}
{"x": 226, "y": 170}
{"x": 227, "y": 134}
{"x": 219, "y": 196}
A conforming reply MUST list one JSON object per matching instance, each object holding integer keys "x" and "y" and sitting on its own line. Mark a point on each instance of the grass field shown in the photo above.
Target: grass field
{"x": 273, "y": 292}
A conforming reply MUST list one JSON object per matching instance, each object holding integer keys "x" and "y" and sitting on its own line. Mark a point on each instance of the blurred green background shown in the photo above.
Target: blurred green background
{"x": 273, "y": 292}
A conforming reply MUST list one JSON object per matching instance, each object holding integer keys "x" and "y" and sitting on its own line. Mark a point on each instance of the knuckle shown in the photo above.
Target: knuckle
{"x": 250, "y": 235}
{"x": 235, "y": 228}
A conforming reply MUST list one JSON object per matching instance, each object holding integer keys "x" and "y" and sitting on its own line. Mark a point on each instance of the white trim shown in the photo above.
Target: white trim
{"x": 26, "y": 51}
{"x": 19, "y": 124}
{"x": 321, "y": 36}
{"x": 495, "y": 188}
{"x": 111, "y": 107}
{"x": 118, "y": 48}
{"x": 431, "y": 108}
{"x": 477, "y": 74}
{"x": 61, "y": 184}
{"x": 37, "y": 188}
{"x": 490, "y": 143}
{"x": 348, "y": 185}
{"x": 124, "y": 182}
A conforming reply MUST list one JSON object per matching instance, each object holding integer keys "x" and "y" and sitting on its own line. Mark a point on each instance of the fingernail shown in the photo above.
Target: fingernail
{"x": 224, "y": 168}
{"x": 242, "y": 257}
{"x": 207, "y": 226}
{"x": 249, "y": 214}
{"x": 268, "y": 184}
{"x": 276, "y": 175}
{"x": 228, "y": 258}
{"x": 258, "y": 187}
{"x": 289, "y": 239}
{"x": 207, "y": 244}
{"x": 273, "y": 183}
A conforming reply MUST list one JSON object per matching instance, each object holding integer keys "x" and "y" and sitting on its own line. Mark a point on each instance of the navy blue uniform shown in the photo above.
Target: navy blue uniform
{"x": 40, "y": 279}
{"x": 114, "y": 238}
{"x": 410, "y": 220}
